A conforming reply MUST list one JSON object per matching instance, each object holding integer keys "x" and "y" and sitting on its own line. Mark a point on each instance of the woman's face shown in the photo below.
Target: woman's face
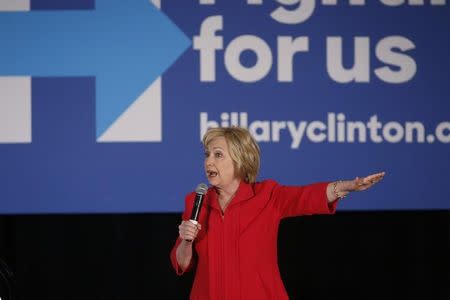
{"x": 219, "y": 166}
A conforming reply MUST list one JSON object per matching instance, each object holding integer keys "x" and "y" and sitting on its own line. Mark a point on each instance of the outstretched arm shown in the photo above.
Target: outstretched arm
{"x": 341, "y": 188}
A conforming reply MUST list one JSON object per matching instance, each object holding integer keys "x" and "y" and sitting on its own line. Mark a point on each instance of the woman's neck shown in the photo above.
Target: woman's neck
{"x": 227, "y": 192}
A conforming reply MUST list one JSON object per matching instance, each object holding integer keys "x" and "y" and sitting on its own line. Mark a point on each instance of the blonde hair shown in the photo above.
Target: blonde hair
{"x": 244, "y": 150}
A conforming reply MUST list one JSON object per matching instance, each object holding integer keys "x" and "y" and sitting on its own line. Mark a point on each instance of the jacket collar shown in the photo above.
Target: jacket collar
{"x": 244, "y": 192}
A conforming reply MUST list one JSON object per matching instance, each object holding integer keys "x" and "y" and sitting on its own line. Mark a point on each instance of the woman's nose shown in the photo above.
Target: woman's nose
{"x": 208, "y": 160}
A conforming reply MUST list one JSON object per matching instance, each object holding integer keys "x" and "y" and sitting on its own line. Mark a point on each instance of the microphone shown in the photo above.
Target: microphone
{"x": 200, "y": 192}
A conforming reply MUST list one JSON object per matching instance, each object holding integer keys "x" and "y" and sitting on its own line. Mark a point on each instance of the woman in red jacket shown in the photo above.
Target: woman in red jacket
{"x": 233, "y": 246}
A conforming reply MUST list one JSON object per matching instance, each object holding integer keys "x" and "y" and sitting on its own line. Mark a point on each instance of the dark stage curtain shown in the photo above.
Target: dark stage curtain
{"x": 364, "y": 255}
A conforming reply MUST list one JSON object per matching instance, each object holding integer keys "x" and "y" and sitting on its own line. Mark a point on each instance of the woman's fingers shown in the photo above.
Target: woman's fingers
{"x": 186, "y": 233}
{"x": 363, "y": 183}
{"x": 368, "y": 181}
{"x": 374, "y": 178}
{"x": 188, "y": 230}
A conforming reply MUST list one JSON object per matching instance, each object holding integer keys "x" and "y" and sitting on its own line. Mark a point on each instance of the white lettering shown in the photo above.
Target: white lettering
{"x": 420, "y": 132}
{"x": 341, "y": 128}
{"x": 405, "y": 63}
{"x": 300, "y": 14}
{"x": 260, "y": 131}
{"x": 336, "y": 128}
{"x": 205, "y": 124}
{"x": 331, "y": 127}
{"x": 311, "y": 131}
{"x": 393, "y": 132}
{"x": 263, "y": 62}
{"x": 296, "y": 133}
{"x": 287, "y": 47}
{"x": 276, "y": 128}
{"x": 352, "y": 127}
{"x": 373, "y": 126}
{"x": 360, "y": 72}
{"x": 392, "y": 2}
{"x": 441, "y": 133}
{"x": 352, "y": 2}
{"x": 207, "y": 43}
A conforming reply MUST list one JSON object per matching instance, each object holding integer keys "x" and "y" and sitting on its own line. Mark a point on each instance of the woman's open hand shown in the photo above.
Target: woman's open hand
{"x": 341, "y": 188}
{"x": 363, "y": 183}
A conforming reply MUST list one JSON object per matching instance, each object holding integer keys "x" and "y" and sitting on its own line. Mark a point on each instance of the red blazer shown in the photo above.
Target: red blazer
{"x": 235, "y": 254}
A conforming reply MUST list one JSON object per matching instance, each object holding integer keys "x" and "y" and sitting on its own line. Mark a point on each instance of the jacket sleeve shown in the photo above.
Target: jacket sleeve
{"x": 290, "y": 201}
{"x": 173, "y": 255}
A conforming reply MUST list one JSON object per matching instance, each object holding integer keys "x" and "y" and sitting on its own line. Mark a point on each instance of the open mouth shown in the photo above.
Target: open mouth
{"x": 211, "y": 173}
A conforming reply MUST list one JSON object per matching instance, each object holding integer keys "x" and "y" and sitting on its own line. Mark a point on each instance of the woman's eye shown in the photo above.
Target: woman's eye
{"x": 218, "y": 154}
{"x": 206, "y": 154}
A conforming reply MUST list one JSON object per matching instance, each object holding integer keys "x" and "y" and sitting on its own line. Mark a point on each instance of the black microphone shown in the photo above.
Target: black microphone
{"x": 200, "y": 192}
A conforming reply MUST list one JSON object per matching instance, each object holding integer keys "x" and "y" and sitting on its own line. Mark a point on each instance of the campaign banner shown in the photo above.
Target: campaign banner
{"x": 103, "y": 103}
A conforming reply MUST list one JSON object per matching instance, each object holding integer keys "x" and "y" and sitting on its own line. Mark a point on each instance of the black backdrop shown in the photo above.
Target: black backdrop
{"x": 364, "y": 255}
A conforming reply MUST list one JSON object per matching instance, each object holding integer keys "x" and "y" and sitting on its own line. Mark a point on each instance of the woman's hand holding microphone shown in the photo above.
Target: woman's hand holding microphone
{"x": 188, "y": 230}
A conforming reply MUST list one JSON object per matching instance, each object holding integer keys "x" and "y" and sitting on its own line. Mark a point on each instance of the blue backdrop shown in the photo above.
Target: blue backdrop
{"x": 381, "y": 102}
